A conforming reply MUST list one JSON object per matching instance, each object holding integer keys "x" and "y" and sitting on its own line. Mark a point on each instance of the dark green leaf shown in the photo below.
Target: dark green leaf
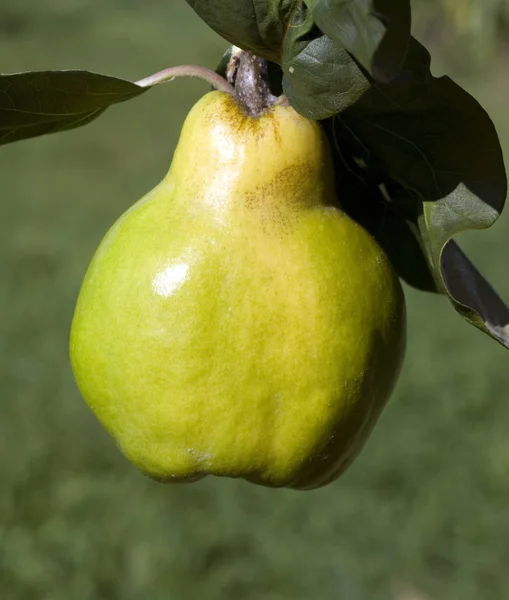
{"x": 430, "y": 141}
{"x": 256, "y": 25}
{"x": 363, "y": 195}
{"x": 320, "y": 78}
{"x": 37, "y": 103}
{"x": 472, "y": 295}
{"x": 375, "y": 32}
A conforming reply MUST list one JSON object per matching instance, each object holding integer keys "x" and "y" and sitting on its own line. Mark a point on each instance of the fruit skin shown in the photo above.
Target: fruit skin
{"x": 235, "y": 321}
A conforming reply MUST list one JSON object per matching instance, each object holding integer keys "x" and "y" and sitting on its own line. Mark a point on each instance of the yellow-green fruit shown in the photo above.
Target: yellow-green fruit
{"x": 234, "y": 322}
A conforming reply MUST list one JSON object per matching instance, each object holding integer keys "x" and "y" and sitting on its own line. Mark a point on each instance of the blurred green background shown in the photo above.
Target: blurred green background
{"x": 423, "y": 514}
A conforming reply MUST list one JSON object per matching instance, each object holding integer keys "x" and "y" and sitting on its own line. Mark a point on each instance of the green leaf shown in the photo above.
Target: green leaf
{"x": 431, "y": 142}
{"x": 321, "y": 45}
{"x": 320, "y": 78}
{"x": 363, "y": 194}
{"x": 375, "y": 32}
{"x": 37, "y": 103}
{"x": 472, "y": 295}
{"x": 256, "y": 25}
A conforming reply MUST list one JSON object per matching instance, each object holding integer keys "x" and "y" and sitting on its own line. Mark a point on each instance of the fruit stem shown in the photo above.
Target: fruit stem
{"x": 188, "y": 71}
{"x": 249, "y": 73}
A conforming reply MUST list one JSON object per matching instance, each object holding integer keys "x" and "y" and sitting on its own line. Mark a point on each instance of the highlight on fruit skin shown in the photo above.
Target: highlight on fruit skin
{"x": 235, "y": 321}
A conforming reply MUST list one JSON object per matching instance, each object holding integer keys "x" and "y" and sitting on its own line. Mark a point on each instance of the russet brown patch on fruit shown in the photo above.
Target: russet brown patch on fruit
{"x": 284, "y": 191}
{"x": 277, "y": 204}
{"x": 235, "y": 117}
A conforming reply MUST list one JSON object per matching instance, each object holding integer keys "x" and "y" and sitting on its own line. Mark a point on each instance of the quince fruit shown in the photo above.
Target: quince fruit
{"x": 235, "y": 321}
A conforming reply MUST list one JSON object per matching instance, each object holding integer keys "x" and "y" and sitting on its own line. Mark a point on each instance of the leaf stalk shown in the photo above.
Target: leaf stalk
{"x": 218, "y": 82}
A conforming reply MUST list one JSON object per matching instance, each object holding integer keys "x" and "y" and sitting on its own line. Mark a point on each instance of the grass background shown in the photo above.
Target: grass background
{"x": 423, "y": 514}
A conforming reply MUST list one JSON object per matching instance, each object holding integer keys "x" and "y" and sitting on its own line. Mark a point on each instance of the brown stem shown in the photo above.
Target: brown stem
{"x": 251, "y": 83}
